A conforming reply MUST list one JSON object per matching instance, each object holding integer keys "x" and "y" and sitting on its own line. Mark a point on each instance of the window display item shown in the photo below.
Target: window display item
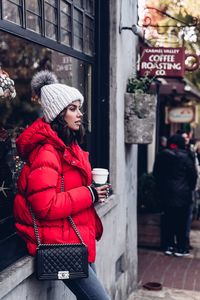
{"x": 7, "y": 86}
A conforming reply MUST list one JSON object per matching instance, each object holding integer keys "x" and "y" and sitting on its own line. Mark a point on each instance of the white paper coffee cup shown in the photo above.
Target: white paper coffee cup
{"x": 99, "y": 175}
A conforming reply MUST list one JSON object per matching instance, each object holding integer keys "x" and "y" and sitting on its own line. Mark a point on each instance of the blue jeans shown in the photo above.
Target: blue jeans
{"x": 88, "y": 288}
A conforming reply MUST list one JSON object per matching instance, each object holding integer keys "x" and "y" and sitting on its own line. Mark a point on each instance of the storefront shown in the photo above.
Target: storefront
{"x": 57, "y": 35}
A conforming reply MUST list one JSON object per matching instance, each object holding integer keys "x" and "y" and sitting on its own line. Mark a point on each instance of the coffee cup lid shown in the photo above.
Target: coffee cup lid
{"x": 100, "y": 170}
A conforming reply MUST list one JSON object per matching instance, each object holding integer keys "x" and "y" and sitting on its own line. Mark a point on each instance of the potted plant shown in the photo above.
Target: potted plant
{"x": 140, "y": 111}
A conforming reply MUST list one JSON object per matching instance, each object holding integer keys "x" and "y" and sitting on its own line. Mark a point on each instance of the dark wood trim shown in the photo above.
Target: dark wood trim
{"x": 44, "y": 41}
{"x": 100, "y": 106}
{"x": 11, "y": 249}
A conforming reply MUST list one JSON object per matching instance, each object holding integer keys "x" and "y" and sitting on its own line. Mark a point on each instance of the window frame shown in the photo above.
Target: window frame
{"x": 57, "y": 22}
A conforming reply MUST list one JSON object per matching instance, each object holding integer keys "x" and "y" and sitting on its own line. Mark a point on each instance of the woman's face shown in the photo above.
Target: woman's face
{"x": 73, "y": 115}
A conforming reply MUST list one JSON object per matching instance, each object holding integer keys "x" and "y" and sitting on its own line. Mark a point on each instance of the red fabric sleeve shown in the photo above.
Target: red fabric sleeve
{"x": 45, "y": 199}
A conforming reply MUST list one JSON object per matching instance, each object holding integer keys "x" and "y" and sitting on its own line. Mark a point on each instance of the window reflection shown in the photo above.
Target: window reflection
{"x": 78, "y": 30}
{"x": 73, "y": 32}
{"x": 33, "y": 15}
{"x": 51, "y": 30}
{"x": 50, "y": 20}
{"x": 79, "y": 3}
{"x": 66, "y": 37}
{"x": 52, "y": 2}
{"x": 89, "y": 6}
{"x": 21, "y": 62}
{"x": 89, "y": 35}
{"x": 33, "y": 6}
{"x": 50, "y": 13}
{"x": 66, "y": 24}
{"x": 12, "y": 12}
{"x": 33, "y": 22}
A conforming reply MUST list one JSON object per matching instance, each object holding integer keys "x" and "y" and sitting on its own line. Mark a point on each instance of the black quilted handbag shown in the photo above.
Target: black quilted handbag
{"x": 60, "y": 261}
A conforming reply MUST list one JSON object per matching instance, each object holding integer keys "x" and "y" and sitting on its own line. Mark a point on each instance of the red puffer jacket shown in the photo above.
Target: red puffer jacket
{"x": 40, "y": 181}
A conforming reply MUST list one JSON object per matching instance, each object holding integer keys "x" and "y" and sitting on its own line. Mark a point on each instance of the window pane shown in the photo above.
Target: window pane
{"x": 78, "y": 16}
{"x": 78, "y": 43}
{"x": 79, "y": 3}
{"x": 75, "y": 73}
{"x": 51, "y": 19}
{"x": 12, "y": 12}
{"x": 33, "y": 22}
{"x": 33, "y": 6}
{"x": 78, "y": 30}
{"x": 52, "y": 2}
{"x": 65, "y": 7}
{"x": 66, "y": 37}
{"x": 50, "y": 14}
{"x": 89, "y": 6}
{"x": 15, "y": 1}
{"x": 65, "y": 16}
{"x": 89, "y": 36}
{"x": 51, "y": 30}
{"x": 66, "y": 22}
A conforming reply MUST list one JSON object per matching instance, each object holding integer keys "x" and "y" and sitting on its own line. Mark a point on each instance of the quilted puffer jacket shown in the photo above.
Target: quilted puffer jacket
{"x": 39, "y": 185}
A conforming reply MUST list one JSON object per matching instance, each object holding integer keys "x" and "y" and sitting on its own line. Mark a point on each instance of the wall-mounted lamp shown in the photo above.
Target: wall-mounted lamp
{"x": 137, "y": 30}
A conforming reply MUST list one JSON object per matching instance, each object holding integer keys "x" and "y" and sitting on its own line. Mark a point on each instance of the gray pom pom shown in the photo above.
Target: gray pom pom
{"x": 40, "y": 79}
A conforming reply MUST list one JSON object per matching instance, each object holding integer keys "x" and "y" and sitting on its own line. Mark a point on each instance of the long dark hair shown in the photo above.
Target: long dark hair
{"x": 64, "y": 132}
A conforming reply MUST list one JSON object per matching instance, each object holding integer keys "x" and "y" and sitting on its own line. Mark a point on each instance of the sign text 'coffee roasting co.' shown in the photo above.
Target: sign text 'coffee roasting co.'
{"x": 166, "y": 62}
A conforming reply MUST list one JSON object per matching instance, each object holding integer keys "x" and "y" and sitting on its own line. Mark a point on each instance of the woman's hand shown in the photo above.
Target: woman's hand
{"x": 103, "y": 192}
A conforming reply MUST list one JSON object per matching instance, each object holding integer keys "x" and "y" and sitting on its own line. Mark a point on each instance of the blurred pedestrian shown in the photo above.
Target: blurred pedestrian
{"x": 163, "y": 143}
{"x": 197, "y": 188}
{"x": 189, "y": 146}
{"x": 175, "y": 176}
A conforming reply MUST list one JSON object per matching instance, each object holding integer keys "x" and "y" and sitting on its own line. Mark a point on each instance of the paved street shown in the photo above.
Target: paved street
{"x": 179, "y": 276}
{"x": 165, "y": 294}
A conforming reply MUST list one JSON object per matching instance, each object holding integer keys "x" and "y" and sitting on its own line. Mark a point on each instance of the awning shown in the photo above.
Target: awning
{"x": 176, "y": 88}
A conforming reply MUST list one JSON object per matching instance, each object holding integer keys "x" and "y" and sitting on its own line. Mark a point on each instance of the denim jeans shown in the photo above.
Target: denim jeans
{"x": 88, "y": 288}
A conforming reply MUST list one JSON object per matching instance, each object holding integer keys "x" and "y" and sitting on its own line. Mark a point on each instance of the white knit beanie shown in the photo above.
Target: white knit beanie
{"x": 53, "y": 96}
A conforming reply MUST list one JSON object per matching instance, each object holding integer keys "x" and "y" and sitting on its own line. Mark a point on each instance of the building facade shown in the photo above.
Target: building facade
{"x": 81, "y": 42}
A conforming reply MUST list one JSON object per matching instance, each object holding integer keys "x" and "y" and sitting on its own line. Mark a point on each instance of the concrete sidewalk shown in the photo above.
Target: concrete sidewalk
{"x": 179, "y": 276}
{"x": 165, "y": 294}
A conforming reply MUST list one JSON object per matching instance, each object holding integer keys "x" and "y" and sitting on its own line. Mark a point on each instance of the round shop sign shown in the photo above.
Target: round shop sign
{"x": 181, "y": 115}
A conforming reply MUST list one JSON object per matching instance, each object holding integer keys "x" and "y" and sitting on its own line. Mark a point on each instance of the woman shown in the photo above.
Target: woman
{"x": 50, "y": 147}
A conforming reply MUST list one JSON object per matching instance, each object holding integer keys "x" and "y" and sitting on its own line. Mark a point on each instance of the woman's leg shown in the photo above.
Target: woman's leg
{"x": 169, "y": 227}
{"x": 181, "y": 226}
{"x": 87, "y": 288}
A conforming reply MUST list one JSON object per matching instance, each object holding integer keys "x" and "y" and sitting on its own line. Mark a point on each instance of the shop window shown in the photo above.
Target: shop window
{"x": 33, "y": 16}
{"x": 12, "y": 11}
{"x": 21, "y": 62}
{"x": 66, "y": 23}
{"x": 78, "y": 30}
{"x": 51, "y": 22}
{"x": 89, "y": 6}
{"x": 79, "y": 3}
{"x": 70, "y": 23}
{"x": 89, "y": 35}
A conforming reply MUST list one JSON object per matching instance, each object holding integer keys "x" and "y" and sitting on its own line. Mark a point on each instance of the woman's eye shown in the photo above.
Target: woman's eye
{"x": 72, "y": 108}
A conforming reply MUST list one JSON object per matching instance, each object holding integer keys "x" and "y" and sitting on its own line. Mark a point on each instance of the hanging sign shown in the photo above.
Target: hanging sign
{"x": 162, "y": 62}
{"x": 180, "y": 114}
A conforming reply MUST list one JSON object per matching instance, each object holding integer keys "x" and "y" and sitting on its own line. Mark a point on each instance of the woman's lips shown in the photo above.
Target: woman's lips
{"x": 78, "y": 122}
